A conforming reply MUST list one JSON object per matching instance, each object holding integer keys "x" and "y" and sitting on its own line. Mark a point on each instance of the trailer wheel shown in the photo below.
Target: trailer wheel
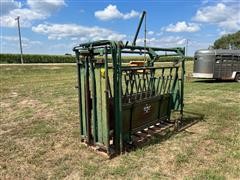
{"x": 237, "y": 77}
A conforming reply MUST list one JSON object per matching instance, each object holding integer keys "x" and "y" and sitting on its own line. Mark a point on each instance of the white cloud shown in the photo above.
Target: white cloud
{"x": 36, "y": 10}
{"x": 225, "y": 15}
{"x": 13, "y": 41}
{"x": 74, "y": 32}
{"x": 46, "y": 6}
{"x": 112, "y": 12}
{"x": 150, "y": 32}
{"x": 182, "y": 27}
{"x": 130, "y": 15}
{"x": 26, "y": 17}
{"x": 16, "y": 39}
{"x": 166, "y": 41}
{"x": 212, "y": 13}
{"x": 10, "y": 38}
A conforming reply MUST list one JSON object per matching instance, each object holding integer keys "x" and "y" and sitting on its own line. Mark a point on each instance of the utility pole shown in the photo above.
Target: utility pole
{"x": 145, "y": 38}
{"x": 20, "y": 39}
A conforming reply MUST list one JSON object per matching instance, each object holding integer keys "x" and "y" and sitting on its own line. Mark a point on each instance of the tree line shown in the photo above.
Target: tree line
{"x": 226, "y": 41}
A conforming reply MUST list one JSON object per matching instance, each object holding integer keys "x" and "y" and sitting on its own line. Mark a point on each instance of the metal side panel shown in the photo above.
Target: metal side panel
{"x": 164, "y": 106}
{"x": 126, "y": 121}
{"x": 94, "y": 103}
{"x": 102, "y": 118}
{"x": 99, "y": 103}
{"x": 139, "y": 115}
{"x": 104, "y": 111}
{"x": 144, "y": 112}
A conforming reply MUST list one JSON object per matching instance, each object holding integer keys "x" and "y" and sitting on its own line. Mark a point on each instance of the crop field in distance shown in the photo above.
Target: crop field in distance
{"x": 39, "y": 132}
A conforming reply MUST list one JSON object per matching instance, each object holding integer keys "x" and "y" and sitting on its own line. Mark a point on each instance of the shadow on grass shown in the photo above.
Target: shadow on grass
{"x": 212, "y": 81}
{"x": 189, "y": 119}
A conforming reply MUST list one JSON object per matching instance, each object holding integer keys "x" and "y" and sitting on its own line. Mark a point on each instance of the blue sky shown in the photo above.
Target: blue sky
{"x": 56, "y": 26}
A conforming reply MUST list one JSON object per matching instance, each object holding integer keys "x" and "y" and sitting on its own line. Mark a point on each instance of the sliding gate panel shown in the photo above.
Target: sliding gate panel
{"x": 147, "y": 96}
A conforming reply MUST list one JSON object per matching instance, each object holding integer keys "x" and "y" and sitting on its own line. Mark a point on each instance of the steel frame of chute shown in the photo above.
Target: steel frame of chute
{"x": 116, "y": 101}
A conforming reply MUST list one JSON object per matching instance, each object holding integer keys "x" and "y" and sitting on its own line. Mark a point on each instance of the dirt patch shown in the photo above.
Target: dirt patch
{"x": 13, "y": 94}
{"x": 29, "y": 103}
{"x": 2, "y": 131}
{"x": 4, "y": 105}
{"x": 41, "y": 110}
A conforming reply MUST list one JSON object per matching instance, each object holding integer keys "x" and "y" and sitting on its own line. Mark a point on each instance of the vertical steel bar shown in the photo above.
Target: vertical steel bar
{"x": 165, "y": 85}
{"x": 119, "y": 96}
{"x": 182, "y": 86}
{"x": 163, "y": 81}
{"x": 109, "y": 87}
{"x": 169, "y": 84}
{"x": 94, "y": 102}
{"x": 107, "y": 94}
{"x": 132, "y": 84}
{"x": 158, "y": 82}
{"x": 175, "y": 80}
{"x": 153, "y": 84}
{"x": 174, "y": 90}
{"x": 79, "y": 93}
{"x": 116, "y": 97}
{"x": 88, "y": 101}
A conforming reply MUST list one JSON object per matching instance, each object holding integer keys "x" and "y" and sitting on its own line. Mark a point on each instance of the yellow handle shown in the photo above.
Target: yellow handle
{"x": 102, "y": 72}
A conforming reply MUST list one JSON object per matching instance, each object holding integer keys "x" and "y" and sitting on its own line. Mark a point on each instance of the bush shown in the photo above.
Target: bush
{"x": 35, "y": 58}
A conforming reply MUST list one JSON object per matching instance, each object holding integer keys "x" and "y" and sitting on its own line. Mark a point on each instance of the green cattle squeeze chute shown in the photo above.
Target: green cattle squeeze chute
{"x": 117, "y": 100}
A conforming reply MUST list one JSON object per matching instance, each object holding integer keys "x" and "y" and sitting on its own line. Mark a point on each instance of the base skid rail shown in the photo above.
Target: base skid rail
{"x": 139, "y": 139}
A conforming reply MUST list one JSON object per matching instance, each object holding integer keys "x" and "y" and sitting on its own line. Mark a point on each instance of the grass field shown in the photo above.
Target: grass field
{"x": 39, "y": 132}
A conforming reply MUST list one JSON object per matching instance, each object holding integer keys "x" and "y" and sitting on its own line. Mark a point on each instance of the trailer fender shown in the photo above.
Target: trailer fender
{"x": 234, "y": 74}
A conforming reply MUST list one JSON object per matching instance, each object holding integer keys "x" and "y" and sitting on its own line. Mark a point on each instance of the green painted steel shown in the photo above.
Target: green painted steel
{"x": 138, "y": 29}
{"x": 116, "y": 101}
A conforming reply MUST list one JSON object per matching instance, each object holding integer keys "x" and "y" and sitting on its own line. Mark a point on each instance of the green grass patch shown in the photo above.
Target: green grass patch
{"x": 39, "y": 129}
{"x": 39, "y": 132}
{"x": 209, "y": 175}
